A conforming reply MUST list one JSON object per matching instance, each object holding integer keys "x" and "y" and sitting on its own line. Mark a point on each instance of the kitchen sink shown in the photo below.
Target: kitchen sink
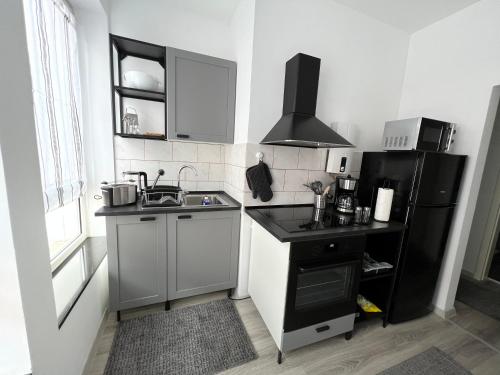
{"x": 194, "y": 200}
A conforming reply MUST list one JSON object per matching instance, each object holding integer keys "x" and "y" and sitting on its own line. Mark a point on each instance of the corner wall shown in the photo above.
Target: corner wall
{"x": 451, "y": 69}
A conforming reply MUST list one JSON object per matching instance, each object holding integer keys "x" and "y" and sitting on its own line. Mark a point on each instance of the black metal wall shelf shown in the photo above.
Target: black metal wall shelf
{"x": 142, "y": 136}
{"x": 143, "y": 50}
{"x": 125, "y": 47}
{"x": 129, "y": 92}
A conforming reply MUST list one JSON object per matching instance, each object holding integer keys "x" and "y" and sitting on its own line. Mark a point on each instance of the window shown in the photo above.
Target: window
{"x": 64, "y": 226}
{"x": 53, "y": 53}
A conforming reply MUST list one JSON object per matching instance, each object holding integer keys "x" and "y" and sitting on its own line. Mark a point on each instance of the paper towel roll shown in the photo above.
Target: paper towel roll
{"x": 384, "y": 203}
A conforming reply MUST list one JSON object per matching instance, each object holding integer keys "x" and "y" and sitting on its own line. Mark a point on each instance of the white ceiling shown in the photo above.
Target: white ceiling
{"x": 408, "y": 15}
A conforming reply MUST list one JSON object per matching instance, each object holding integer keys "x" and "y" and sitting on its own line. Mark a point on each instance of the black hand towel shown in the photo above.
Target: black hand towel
{"x": 259, "y": 181}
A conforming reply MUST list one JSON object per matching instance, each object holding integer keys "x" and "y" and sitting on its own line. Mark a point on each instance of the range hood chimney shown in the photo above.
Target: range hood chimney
{"x": 299, "y": 126}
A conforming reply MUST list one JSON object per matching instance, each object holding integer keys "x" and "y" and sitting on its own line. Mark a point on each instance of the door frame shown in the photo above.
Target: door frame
{"x": 490, "y": 237}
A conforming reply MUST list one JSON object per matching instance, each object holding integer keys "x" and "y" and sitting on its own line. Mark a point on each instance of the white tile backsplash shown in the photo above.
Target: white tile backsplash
{"x": 209, "y": 153}
{"x": 304, "y": 197}
{"x": 121, "y": 166}
{"x": 129, "y": 148}
{"x": 278, "y": 176}
{"x": 295, "y": 180}
{"x": 202, "y": 170}
{"x": 216, "y": 172}
{"x": 171, "y": 169}
{"x": 309, "y": 158}
{"x": 184, "y": 151}
{"x": 158, "y": 150}
{"x": 210, "y": 185}
{"x": 150, "y": 167}
{"x": 286, "y": 157}
{"x": 251, "y": 151}
{"x": 223, "y": 167}
{"x": 324, "y": 177}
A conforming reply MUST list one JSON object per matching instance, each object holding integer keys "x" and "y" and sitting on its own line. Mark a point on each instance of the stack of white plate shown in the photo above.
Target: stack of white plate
{"x": 136, "y": 79}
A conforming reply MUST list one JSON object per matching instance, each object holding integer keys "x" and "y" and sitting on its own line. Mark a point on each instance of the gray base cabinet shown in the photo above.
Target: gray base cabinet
{"x": 137, "y": 259}
{"x": 201, "y": 93}
{"x": 202, "y": 252}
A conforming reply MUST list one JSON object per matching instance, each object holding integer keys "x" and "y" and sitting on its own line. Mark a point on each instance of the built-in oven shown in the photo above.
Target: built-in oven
{"x": 323, "y": 281}
{"x": 419, "y": 133}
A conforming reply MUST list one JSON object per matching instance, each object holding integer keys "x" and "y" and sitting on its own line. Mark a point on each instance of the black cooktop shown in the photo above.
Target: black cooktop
{"x": 307, "y": 219}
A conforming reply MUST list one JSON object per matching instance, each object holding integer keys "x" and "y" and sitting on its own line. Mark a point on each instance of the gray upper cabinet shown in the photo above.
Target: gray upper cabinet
{"x": 201, "y": 93}
{"x": 137, "y": 260}
{"x": 202, "y": 252}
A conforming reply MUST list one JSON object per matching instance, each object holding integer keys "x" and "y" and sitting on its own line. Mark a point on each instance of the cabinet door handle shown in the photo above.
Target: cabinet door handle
{"x": 149, "y": 218}
{"x": 182, "y": 135}
{"x": 180, "y": 217}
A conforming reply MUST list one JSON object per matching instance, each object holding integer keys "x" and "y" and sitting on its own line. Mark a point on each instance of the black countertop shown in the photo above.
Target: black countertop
{"x": 137, "y": 209}
{"x": 276, "y": 218}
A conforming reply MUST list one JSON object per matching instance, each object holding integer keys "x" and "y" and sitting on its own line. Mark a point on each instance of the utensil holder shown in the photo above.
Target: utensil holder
{"x": 319, "y": 201}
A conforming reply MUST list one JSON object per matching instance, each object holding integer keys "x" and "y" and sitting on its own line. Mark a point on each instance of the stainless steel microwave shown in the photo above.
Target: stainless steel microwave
{"x": 418, "y": 133}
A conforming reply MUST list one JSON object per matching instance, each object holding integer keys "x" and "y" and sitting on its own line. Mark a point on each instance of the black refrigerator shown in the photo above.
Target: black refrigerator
{"x": 425, "y": 187}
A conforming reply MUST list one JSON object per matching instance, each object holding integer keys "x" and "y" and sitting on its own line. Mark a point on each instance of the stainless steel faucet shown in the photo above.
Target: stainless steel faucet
{"x": 181, "y": 169}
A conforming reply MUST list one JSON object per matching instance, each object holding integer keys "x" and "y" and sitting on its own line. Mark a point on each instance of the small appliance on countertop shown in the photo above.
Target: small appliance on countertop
{"x": 419, "y": 133}
{"x": 345, "y": 194}
{"x": 118, "y": 193}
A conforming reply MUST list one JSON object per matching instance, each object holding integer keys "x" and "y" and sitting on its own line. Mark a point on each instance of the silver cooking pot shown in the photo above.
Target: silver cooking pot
{"x": 118, "y": 194}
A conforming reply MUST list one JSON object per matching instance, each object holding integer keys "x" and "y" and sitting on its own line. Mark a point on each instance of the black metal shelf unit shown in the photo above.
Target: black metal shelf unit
{"x": 379, "y": 288}
{"x": 130, "y": 47}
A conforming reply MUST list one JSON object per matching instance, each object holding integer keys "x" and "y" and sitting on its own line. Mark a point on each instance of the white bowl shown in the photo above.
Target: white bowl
{"x": 139, "y": 80}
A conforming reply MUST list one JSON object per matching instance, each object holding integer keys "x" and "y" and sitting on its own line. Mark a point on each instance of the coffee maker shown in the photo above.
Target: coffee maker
{"x": 345, "y": 194}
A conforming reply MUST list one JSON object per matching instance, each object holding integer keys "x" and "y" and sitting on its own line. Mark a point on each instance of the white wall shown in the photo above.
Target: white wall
{"x": 14, "y": 350}
{"x": 52, "y": 350}
{"x": 362, "y": 64}
{"x": 242, "y": 32}
{"x": 452, "y": 67}
{"x": 161, "y": 22}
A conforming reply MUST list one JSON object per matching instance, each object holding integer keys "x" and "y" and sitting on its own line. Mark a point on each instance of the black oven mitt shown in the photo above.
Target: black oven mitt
{"x": 259, "y": 181}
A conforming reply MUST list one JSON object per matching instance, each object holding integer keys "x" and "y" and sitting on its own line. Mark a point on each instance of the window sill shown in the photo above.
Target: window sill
{"x": 91, "y": 252}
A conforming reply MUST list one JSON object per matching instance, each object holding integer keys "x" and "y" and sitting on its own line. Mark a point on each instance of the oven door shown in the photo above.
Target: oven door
{"x": 322, "y": 291}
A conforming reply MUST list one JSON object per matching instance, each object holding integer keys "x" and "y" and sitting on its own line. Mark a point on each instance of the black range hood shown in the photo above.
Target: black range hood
{"x": 299, "y": 126}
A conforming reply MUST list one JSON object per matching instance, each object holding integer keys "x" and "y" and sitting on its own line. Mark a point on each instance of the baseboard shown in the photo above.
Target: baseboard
{"x": 445, "y": 314}
{"x": 93, "y": 350}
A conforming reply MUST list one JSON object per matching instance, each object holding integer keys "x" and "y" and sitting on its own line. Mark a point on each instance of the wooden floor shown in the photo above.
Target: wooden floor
{"x": 371, "y": 349}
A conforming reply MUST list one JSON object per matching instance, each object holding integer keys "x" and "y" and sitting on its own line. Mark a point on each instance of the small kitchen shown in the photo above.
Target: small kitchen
{"x": 256, "y": 199}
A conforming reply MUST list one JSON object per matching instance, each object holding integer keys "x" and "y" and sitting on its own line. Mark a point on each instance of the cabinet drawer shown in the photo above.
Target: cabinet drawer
{"x": 334, "y": 246}
{"x": 317, "y": 332}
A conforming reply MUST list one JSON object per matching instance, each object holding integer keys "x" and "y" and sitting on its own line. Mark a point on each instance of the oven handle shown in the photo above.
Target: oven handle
{"x": 307, "y": 269}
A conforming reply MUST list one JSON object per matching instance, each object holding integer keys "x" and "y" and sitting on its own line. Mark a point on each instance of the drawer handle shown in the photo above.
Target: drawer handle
{"x": 149, "y": 218}
{"x": 182, "y": 135}
{"x": 180, "y": 217}
{"x": 322, "y": 329}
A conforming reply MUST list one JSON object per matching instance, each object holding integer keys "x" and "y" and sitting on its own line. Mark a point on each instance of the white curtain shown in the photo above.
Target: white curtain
{"x": 53, "y": 54}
